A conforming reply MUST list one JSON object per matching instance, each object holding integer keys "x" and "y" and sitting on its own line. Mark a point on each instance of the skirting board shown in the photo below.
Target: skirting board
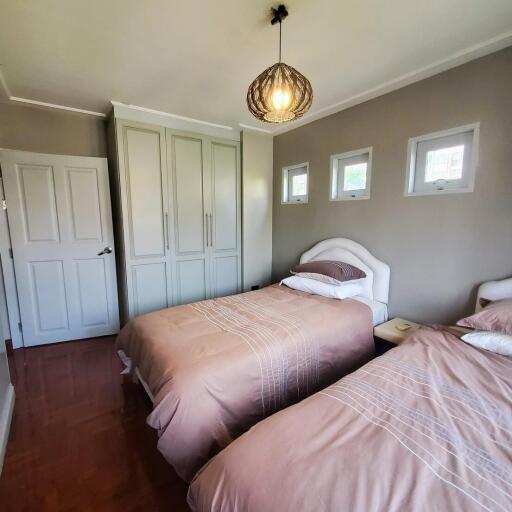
{"x": 5, "y": 422}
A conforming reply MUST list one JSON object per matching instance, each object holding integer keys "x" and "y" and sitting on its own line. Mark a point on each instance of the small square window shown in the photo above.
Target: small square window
{"x": 442, "y": 162}
{"x": 295, "y": 183}
{"x": 351, "y": 175}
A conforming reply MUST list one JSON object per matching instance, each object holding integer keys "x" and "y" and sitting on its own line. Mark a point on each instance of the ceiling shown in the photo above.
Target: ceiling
{"x": 197, "y": 58}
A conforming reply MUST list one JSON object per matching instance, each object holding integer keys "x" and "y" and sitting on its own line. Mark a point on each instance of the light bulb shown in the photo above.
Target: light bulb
{"x": 280, "y": 99}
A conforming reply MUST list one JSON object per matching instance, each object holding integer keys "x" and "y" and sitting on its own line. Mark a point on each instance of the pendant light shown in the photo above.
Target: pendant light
{"x": 280, "y": 93}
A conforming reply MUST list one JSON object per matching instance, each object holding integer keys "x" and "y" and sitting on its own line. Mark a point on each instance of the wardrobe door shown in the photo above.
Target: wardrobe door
{"x": 143, "y": 184}
{"x": 224, "y": 228}
{"x": 186, "y": 155}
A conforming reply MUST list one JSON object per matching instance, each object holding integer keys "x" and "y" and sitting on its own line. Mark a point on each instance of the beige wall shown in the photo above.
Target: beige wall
{"x": 439, "y": 248}
{"x": 42, "y": 130}
{"x": 256, "y": 209}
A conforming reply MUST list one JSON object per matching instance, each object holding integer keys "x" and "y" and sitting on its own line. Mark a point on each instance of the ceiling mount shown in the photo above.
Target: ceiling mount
{"x": 279, "y": 14}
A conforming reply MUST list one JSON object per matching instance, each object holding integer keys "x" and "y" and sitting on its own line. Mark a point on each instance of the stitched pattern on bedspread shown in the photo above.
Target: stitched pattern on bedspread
{"x": 445, "y": 429}
{"x": 448, "y": 390}
{"x": 275, "y": 339}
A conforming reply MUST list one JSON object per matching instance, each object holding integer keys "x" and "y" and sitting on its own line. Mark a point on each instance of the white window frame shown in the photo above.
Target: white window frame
{"x": 287, "y": 171}
{"x": 412, "y": 147}
{"x": 352, "y": 194}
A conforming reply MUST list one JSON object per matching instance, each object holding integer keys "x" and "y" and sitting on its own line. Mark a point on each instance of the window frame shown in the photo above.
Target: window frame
{"x": 285, "y": 184}
{"x": 355, "y": 194}
{"x": 412, "y": 148}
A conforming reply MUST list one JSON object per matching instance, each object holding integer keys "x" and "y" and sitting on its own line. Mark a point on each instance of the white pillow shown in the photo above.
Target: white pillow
{"x": 327, "y": 279}
{"x": 492, "y": 341}
{"x": 340, "y": 291}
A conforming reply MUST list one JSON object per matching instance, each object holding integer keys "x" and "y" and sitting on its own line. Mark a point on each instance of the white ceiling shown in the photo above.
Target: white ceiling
{"x": 197, "y": 58}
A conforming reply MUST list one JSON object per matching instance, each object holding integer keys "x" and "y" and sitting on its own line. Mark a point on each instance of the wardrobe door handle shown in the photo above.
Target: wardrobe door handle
{"x": 167, "y": 230}
{"x": 206, "y": 226}
{"x": 211, "y": 229}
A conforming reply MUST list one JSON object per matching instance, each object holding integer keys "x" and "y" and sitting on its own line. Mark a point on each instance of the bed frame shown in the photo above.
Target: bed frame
{"x": 137, "y": 378}
{"x": 343, "y": 249}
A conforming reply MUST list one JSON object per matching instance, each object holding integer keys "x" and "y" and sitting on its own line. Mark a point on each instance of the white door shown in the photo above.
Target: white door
{"x": 60, "y": 222}
{"x": 187, "y": 156}
{"x": 225, "y": 232}
{"x": 143, "y": 186}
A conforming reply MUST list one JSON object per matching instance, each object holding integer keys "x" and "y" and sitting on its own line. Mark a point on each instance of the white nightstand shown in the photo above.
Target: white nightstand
{"x": 391, "y": 333}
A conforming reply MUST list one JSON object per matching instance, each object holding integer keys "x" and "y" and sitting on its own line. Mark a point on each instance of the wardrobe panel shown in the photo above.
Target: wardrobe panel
{"x": 191, "y": 281}
{"x": 187, "y": 154}
{"x": 149, "y": 291}
{"x": 226, "y": 276}
{"x": 225, "y": 196}
{"x": 145, "y": 192}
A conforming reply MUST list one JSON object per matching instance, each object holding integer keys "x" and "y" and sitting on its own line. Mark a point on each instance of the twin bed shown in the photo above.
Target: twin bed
{"x": 427, "y": 426}
{"x": 217, "y": 367}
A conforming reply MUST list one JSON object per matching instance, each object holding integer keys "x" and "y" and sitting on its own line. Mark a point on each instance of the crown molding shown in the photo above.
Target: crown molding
{"x": 148, "y": 115}
{"x": 254, "y": 128}
{"x": 168, "y": 114}
{"x": 10, "y": 97}
{"x": 461, "y": 57}
{"x": 58, "y": 107}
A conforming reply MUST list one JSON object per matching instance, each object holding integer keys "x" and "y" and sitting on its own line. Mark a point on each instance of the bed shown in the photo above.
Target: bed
{"x": 427, "y": 426}
{"x": 215, "y": 368}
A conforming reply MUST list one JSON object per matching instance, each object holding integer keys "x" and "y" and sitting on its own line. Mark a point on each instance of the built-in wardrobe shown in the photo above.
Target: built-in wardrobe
{"x": 177, "y": 213}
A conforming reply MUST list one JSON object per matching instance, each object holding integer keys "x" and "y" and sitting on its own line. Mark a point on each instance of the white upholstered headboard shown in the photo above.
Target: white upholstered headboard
{"x": 494, "y": 290}
{"x": 348, "y": 251}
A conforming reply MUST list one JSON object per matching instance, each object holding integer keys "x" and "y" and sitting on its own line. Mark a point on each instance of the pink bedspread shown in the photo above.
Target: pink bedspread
{"x": 426, "y": 427}
{"x": 218, "y": 367}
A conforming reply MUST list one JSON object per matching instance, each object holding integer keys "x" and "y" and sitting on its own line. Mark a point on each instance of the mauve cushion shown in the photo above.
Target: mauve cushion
{"x": 332, "y": 272}
{"x": 496, "y": 317}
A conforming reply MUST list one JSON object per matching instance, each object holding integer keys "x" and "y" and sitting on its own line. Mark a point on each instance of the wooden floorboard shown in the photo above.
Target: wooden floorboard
{"x": 79, "y": 439}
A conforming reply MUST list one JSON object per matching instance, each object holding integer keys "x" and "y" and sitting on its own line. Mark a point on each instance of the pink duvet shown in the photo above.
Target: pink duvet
{"x": 426, "y": 427}
{"x": 218, "y": 367}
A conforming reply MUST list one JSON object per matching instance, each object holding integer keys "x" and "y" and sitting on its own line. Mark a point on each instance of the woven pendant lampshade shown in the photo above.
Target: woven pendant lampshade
{"x": 280, "y": 93}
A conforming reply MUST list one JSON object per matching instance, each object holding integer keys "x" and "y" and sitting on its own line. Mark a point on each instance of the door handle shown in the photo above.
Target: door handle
{"x": 211, "y": 229}
{"x": 107, "y": 250}
{"x": 167, "y": 230}
{"x": 206, "y": 225}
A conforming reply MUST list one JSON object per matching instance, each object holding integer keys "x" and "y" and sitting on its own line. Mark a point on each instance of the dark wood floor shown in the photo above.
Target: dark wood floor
{"x": 79, "y": 440}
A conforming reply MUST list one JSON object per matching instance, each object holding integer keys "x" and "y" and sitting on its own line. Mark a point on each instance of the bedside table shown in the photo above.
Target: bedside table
{"x": 387, "y": 335}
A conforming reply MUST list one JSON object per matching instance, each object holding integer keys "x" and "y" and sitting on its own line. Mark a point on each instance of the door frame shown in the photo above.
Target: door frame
{"x": 8, "y": 274}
